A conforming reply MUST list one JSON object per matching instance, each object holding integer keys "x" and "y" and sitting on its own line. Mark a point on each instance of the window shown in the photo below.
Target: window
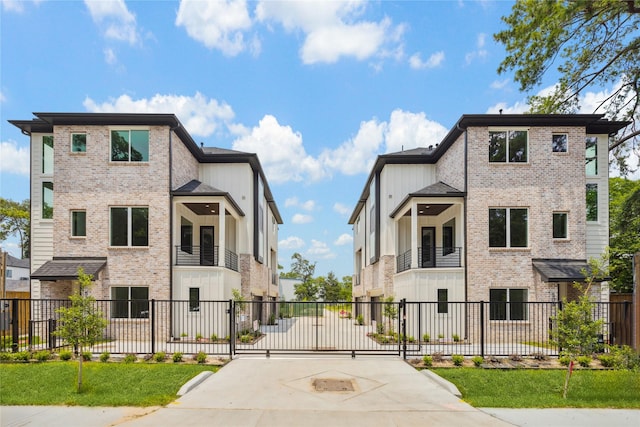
{"x": 559, "y": 143}
{"x": 194, "y": 299}
{"x": 448, "y": 237}
{"x": 129, "y": 226}
{"x": 443, "y": 298}
{"x": 508, "y": 146}
{"x": 508, "y": 227}
{"x": 508, "y": 304}
{"x": 47, "y": 155}
{"x": 560, "y": 225}
{"x": 78, "y": 142}
{"x": 129, "y": 302}
{"x": 9, "y": 274}
{"x": 47, "y": 200}
{"x": 591, "y": 156}
{"x": 592, "y": 202}
{"x": 129, "y": 145}
{"x": 186, "y": 235}
{"x": 78, "y": 223}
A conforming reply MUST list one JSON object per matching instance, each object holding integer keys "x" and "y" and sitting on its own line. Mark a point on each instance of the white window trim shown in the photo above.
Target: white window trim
{"x": 508, "y": 129}
{"x": 71, "y": 224}
{"x": 129, "y": 225}
{"x": 86, "y": 135}
{"x": 129, "y": 128}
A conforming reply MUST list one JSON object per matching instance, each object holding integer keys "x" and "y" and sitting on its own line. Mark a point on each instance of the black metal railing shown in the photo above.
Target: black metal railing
{"x": 413, "y": 328}
{"x": 445, "y": 257}
{"x": 205, "y": 256}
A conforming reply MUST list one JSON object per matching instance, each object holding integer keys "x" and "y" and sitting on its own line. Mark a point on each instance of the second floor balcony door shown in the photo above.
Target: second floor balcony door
{"x": 428, "y": 257}
{"x": 207, "y": 245}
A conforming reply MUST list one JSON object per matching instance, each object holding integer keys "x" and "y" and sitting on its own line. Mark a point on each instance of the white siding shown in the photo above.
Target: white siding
{"x": 598, "y": 232}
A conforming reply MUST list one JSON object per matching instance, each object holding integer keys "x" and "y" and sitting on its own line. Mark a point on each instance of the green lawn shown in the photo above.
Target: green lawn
{"x": 104, "y": 384}
{"x": 527, "y": 388}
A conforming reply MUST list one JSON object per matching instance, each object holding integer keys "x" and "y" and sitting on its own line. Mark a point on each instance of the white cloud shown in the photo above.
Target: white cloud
{"x": 411, "y": 130}
{"x": 13, "y": 5}
{"x": 281, "y": 152}
{"x": 291, "y": 201}
{"x": 217, "y": 24}
{"x": 434, "y": 61}
{"x": 2, "y": 97}
{"x": 301, "y": 219}
{"x": 110, "y": 56}
{"x": 115, "y": 20}
{"x": 499, "y": 84}
{"x": 344, "y": 239}
{"x": 480, "y": 52}
{"x": 14, "y": 159}
{"x": 200, "y": 115}
{"x": 332, "y": 29}
{"x": 519, "y": 107}
{"x": 320, "y": 250}
{"x": 291, "y": 242}
{"x": 341, "y": 209}
{"x": 309, "y": 205}
{"x": 12, "y": 247}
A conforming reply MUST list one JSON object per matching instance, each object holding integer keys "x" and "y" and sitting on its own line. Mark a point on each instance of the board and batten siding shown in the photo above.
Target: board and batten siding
{"x": 598, "y": 231}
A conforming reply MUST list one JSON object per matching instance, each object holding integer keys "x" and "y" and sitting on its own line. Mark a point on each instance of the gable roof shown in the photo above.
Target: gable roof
{"x": 439, "y": 189}
{"x": 197, "y": 188}
{"x": 17, "y": 262}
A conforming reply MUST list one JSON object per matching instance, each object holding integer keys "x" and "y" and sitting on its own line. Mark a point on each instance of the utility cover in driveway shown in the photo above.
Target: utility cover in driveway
{"x": 332, "y": 384}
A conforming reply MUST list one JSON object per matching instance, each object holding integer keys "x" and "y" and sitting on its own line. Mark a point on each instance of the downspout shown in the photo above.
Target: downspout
{"x": 171, "y": 129}
{"x": 464, "y": 211}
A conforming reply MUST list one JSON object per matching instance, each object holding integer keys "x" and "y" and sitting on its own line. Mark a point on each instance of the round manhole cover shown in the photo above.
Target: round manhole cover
{"x": 332, "y": 384}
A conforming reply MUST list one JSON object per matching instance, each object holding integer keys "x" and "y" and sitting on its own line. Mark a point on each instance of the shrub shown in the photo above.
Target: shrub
{"x": 22, "y": 356}
{"x": 65, "y": 355}
{"x": 426, "y": 337}
{"x": 86, "y": 356}
{"x": 213, "y": 337}
{"x": 564, "y": 360}
{"x": 624, "y": 357}
{"x": 360, "y": 319}
{"x": 159, "y": 356}
{"x": 607, "y": 360}
{"x": 477, "y": 361}
{"x": 42, "y": 355}
{"x": 455, "y": 337}
{"x": 428, "y": 360}
{"x": 201, "y": 357}
{"x": 130, "y": 358}
{"x": 104, "y": 356}
{"x": 458, "y": 359}
{"x": 246, "y": 338}
{"x": 440, "y": 336}
{"x": 198, "y": 336}
{"x": 177, "y": 357}
{"x": 380, "y": 328}
{"x": 584, "y": 361}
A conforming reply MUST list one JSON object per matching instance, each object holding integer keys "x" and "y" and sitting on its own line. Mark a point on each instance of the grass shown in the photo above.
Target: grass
{"x": 104, "y": 384}
{"x": 527, "y": 388}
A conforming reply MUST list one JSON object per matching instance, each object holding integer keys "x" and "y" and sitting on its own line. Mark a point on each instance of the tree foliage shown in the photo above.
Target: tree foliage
{"x": 593, "y": 43}
{"x": 624, "y": 231}
{"x": 332, "y": 289}
{"x": 81, "y": 324}
{"x": 14, "y": 220}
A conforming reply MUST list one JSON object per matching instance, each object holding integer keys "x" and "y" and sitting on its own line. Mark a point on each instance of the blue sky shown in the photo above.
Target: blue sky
{"x": 316, "y": 89}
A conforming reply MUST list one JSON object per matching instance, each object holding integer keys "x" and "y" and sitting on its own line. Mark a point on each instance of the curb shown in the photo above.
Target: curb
{"x": 194, "y": 382}
{"x": 450, "y": 387}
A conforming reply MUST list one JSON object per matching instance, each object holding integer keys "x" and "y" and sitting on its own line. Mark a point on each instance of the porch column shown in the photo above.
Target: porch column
{"x": 414, "y": 235}
{"x": 222, "y": 221}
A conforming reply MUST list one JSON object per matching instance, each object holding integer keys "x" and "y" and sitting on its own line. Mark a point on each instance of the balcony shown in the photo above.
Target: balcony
{"x": 450, "y": 257}
{"x": 195, "y": 255}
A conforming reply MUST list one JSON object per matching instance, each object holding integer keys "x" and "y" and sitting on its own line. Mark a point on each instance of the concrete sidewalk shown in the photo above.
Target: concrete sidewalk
{"x": 305, "y": 391}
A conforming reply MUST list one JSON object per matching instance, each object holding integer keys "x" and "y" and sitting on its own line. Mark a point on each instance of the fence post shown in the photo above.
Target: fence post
{"x": 317, "y": 326}
{"x": 153, "y": 326}
{"x": 482, "y": 329}
{"x": 52, "y": 336}
{"x": 15, "y": 321}
{"x": 403, "y": 305}
{"x": 232, "y": 332}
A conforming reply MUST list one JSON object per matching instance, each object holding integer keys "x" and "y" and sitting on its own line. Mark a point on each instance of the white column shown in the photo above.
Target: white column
{"x": 222, "y": 222}
{"x": 414, "y": 235}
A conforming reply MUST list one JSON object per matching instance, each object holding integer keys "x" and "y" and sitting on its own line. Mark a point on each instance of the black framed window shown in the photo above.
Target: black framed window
{"x": 129, "y": 302}
{"x": 508, "y": 304}
{"x": 443, "y": 300}
{"x": 194, "y": 299}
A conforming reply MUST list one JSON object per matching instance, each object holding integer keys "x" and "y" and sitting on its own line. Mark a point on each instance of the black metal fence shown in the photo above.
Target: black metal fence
{"x": 410, "y": 329}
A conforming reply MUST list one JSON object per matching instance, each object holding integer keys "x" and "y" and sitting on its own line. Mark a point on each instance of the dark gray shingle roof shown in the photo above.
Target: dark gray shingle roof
{"x": 561, "y": 270}
{"x": 67, "y": 268}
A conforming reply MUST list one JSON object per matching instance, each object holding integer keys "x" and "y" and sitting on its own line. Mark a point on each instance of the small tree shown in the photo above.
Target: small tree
{"x": 390, "y": 312}
{"x": 81, "y": 324}
{"x": 241, "y": 304}
{"x": 576, "y": 331}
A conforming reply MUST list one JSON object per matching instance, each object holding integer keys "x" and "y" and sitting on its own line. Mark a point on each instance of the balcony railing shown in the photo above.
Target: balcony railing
{"x": 431, "y": 258}
{"x": 196, "y": 255}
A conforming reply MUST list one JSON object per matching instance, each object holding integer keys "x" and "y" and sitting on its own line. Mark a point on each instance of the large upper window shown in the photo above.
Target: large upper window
{"x": 560, "y": 220}
{"x": 508, "y": 146}
{"x": 47, "y": 154}
{"x": 508, "y": 304}
{"x": 592, "y": 202}
{"x": 78, "y": 223}
{"x": 129, "y": 302}
{"x": 591, "y": 156}
{"x": 47, "y": 200}
{"x": 129, "y": 226}
{"x": 186, "y": 235}
{"x": 78, "y": 142}
{"x": 508, "y": 227}
{"x": 448, "y": 237}
{"x": 130, "y": 145}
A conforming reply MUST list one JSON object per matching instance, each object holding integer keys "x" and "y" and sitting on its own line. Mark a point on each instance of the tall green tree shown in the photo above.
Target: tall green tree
{"x": 14, "y": 220}
{"x": 81, "y": 324}
{"x": 624, "y": 231}
{"x": 303, "y": 270}
{"x": 593, "y": 44}
{"x": 330, "y": 288}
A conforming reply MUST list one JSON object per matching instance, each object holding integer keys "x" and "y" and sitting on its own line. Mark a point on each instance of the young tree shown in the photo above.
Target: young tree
{"x": 624, "y": 231}
{"x": 346, "y": 288}
{"x": 14, "y": 219}
{"x": 576, "y": 331}
{"x": 594, "y": 44}
{"x": 81, "y": 324}
{"x": 390, "y": 311}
